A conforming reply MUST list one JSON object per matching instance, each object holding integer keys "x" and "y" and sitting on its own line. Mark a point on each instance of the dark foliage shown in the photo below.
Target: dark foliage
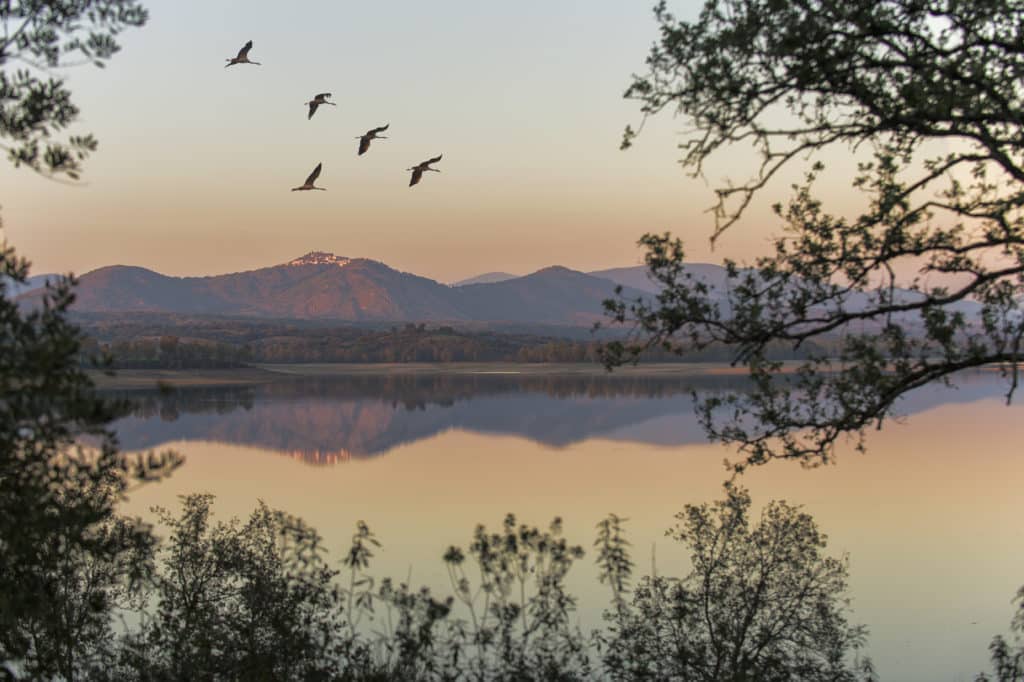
{"x": 761, "y": 602}
{"x": 65, "y": 560}
{"x": 1007, "y": 655}
{"x": 169, "y": 342}
{"x": 39, "y": 36}
{"x": 259, "y": 601}
{"x": 887, "y": 80}
{"x": 237, "y": 601}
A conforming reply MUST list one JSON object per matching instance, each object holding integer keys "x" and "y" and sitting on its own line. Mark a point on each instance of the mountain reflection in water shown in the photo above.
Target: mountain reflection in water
{"x": 325, "y": 420}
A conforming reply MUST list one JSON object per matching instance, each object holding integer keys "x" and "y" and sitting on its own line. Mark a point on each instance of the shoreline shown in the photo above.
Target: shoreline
{"x": 156, "y": 378}
{"x": 152, "y": 379}
{"x": 266, "y": 373}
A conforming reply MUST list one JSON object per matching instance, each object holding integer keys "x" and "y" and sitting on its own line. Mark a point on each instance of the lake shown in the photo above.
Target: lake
{"x": 929, "y": 517}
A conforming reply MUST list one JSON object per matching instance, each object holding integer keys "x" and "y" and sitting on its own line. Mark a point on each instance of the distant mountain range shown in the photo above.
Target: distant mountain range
{"x": 324, "y": 286}
{"x": 33, "y": 283}
{"x": 486, "y": 278}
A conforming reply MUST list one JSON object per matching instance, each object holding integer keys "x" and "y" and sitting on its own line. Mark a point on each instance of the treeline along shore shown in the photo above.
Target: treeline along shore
{"x": 175, "y": 342}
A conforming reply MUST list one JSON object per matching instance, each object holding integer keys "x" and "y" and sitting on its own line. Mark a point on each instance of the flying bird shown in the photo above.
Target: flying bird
{"x": 420, "y": 168}
{"x": 317, "y": 101}
{"x": 243, "y": 56}
{"x": 310, "y": 180}
{"x": 373, "y": 134}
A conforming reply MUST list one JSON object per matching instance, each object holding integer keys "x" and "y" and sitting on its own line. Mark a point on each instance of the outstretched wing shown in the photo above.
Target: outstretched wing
{"x": 312, "y": 109}
{"x": 379, "y": 130}
{"x": 433, "y": 160}
{"x": 364, "y": 144}
{"x": 244, "y": 52}
{"x": 417, "y": 173}
{"x": 314, "y": 175}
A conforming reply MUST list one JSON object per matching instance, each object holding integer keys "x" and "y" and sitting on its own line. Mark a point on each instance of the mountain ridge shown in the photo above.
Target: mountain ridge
{"x": 485, "y": 278}
{"x": 321, "y": 285}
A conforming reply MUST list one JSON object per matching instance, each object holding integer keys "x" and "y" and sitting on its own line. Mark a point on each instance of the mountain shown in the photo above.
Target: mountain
{"x": 486, "y": 278}
{"x": 33, "y": 283}
{"x": 637, "y": 277}
{"x": 317, "y": 285}
{"x": 716, "y": 278}
{"x": 554, "y": 295}
{"x": 323, "y": 286}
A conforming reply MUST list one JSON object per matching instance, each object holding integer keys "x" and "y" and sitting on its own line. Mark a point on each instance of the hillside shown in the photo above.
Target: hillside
{"x": 322, "y": 286}
{"x": 486, "y": 278}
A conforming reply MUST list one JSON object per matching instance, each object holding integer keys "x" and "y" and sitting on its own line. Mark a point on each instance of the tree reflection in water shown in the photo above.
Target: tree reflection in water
{"x": 330, "y": 419}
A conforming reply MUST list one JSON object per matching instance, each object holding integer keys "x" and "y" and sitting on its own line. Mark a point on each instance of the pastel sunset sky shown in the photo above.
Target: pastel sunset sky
{"x": 524, "y": 100}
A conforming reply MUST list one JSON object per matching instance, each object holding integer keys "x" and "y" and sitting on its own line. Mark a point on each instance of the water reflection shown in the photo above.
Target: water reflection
{"x": 931, "y": 496}
{"x": 325, "y": 420}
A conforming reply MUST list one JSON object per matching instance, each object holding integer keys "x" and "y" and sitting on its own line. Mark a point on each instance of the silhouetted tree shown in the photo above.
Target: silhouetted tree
{"x": 39, "y": 36}
{"x": 64, "y": 559}
{"x": 520, "y": 612}
{"x": 1008, "y": 656}
{"x": 238, "y": 601}
{"x": 761, "y": 603}
{"x": 893, "y": 78}
{"x": 259, "y": 600}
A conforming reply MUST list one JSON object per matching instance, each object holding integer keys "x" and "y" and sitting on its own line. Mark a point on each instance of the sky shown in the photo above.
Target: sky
{"x": 524, "y": 100}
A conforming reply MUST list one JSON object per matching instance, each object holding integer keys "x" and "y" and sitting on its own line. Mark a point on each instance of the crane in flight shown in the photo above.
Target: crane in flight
{"x": 317, "y": 101}
{"x": 243, "y": 56}
{"x": 372, "y": 134}
{"x": 308, "y": 184}
{"x": 419, "y": 169}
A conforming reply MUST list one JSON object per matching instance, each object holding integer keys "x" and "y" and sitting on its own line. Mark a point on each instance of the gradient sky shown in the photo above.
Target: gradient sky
{"x": 523, "y": 99}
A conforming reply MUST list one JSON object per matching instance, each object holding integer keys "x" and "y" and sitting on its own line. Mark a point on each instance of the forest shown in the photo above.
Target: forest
{"x": 171, "y": 342}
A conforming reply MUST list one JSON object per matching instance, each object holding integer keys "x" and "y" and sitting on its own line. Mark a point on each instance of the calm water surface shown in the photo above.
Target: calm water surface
{"x": 930, "y": 518}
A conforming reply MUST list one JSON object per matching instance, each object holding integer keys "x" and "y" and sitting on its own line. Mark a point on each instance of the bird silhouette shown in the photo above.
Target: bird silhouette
{"x": 419, "y": 169}
{"x": 308, "y": 184}
{"x": 243, "y": 56}
{"x": 372, "y": 134}
{"x": 317, "y": 101}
